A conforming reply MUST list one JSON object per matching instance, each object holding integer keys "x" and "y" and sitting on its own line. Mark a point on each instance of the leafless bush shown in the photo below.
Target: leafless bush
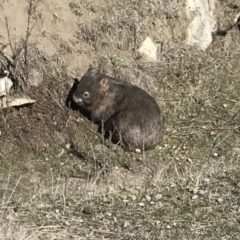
{"x": 88, "y": 34}
{"x": 18, "y": 64}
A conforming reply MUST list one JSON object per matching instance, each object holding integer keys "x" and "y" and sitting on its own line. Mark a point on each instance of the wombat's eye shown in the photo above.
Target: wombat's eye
{"x": 86, "y": 94}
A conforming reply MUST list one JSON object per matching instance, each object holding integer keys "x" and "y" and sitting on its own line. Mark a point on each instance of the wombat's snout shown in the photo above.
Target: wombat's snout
{"x": 77, "y": 100}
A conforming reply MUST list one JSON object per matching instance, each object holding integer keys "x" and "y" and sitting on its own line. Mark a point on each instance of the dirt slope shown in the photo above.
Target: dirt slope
{"x": 57, "y": 181}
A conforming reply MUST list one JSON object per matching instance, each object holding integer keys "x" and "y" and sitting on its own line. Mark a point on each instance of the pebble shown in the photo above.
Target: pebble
{"x": 201, "y": 192}
{"x": 126, "y": 224}
{"x": 108, "y": 214}
{"x": 148, "y": 198}
{"x": 195, "y": 190}
{"x": 206, "y": 180}
{"x": 194, "y": 197}
{"x": 137, "y": 150}
{"x": 158, "y": 196}
{"x": 133, "y": 197}
{"x": 68, "y": 146}
{"x": 66, "y": 223}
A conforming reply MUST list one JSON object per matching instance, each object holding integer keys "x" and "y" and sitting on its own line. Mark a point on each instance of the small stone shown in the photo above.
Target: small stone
{"x": 137, "y": 150}
{"x": 55, "y": 16}
{"x": 141, "y": 204}
{"x": 68, "y": 146}
{"x": 126, "y": 224}
{"x": 125, "y": 200}
{"x": 67, "y": 223}
{"x": 87, "y": 210}
{"x": 157, "y": 222}
{"x": 158, "y": 196}
{"x": 206, "y": 180}
{"x": 215, "y": 154}
{"x": 195, "y": 190}
{"x": 194, "y": 197}
{"x": 220, "y": 200}
{"x": 148, "y": 198}
{"x": 57, "y": 211}
{"x": 225, "y": 105}
{"x": 133, "y": 197}
{"x": 201, "y": 192}
{"x": 108, "y": 214}
{"x": 168, "y": 226}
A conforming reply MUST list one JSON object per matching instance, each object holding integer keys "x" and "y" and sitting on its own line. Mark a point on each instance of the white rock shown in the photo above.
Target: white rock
{"x": 158, "y": 196}
{"x": 148, "y": 50}
{"x": 22, "y": 101}
{"x": 68, "y": 146}
{"x": 5, "y": 85}
{"x": 133, "y": 197}
{"x": 202, "y": 22}
{"x": 16, "y": 102}
{"x": 137, "y": 150}
{"x": 148, "y": 198}
{"x": 194, "y": 197}
{"x": 206, "y": 180}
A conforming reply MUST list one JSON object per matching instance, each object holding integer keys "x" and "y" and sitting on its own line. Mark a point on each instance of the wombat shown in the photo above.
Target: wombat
{"x": 126, "y": 113}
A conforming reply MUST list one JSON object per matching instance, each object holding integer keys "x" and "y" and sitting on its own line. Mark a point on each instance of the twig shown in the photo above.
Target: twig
{"x": 32, "y": 5}
{"x": 8, "y": 34}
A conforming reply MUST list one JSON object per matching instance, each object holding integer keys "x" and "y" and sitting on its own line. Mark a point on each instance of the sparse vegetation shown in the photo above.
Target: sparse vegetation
{"x": 91, "y": 8}
{"x": 76, "y": 9}
{"x": 116, "y": 61}
{"x": 57, "y": 181}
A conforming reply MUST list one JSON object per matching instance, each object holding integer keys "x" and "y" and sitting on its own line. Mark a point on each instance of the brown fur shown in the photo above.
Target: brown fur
{"x": 130, "y": 116}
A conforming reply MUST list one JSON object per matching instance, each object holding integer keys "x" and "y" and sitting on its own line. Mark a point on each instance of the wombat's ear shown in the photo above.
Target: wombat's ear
{"x": 90, "y": 66}
{"x": 104, "y": 84}
{"x": 76, "y": 80}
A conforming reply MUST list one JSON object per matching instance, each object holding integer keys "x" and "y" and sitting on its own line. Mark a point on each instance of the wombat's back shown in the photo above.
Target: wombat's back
{"x": 139, "y": 124}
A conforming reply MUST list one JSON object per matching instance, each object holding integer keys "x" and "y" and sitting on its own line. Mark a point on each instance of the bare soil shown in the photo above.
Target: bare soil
{"x": 57, "y": 179}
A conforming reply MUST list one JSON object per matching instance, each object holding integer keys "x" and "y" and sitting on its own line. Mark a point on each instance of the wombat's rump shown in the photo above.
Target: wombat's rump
{"x": 128, "y": 114}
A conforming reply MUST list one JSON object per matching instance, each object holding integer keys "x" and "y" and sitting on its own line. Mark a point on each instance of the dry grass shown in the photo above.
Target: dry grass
{"x": 187, "y": 188}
